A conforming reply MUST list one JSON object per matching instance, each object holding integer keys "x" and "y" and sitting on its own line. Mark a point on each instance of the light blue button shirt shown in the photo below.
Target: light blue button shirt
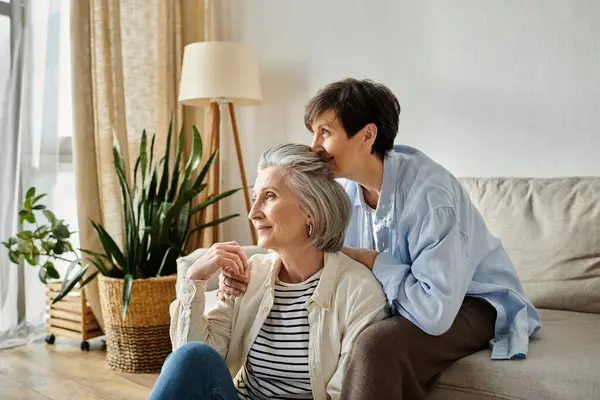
{"x": 435, "y": 248}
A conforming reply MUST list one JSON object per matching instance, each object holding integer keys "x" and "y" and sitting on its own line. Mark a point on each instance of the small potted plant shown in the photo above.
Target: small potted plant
{"x": 43, "y": 241}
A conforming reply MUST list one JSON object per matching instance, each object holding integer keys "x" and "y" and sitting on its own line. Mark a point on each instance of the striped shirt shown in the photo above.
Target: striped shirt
{"x": 277, "y": 364}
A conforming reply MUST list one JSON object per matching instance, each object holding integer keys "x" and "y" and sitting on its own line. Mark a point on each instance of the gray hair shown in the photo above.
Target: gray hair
{"x": 320, "y": 195}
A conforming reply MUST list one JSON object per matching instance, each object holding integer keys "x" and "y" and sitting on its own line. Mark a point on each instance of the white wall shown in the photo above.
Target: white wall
{"x": 487, "y": 87}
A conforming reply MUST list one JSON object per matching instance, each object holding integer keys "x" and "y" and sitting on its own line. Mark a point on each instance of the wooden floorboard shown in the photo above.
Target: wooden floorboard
{"x": 62, "y": 371}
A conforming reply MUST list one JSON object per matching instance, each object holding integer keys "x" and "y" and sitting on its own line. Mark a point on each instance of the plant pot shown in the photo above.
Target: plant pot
{"x": 141, "y": 343}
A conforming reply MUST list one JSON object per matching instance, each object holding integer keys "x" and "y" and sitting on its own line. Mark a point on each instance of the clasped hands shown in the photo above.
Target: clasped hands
{"x": 231, "y": 259}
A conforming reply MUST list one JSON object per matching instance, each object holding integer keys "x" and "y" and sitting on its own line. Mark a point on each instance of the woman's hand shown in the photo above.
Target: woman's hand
{"x": 229, "y": 256}
{"x": 363, "y": 256}
{"x": 232, "y": 284}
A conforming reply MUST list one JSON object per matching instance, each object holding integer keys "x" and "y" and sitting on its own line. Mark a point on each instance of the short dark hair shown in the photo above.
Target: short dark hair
{"x": 357, "y": 103}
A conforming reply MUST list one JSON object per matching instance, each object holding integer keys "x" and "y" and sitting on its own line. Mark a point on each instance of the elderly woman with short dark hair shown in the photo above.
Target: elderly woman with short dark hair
{"x": 290, "y": 334}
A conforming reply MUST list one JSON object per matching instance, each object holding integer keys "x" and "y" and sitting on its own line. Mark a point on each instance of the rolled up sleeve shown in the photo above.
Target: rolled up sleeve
{"x": 189, "y": 323}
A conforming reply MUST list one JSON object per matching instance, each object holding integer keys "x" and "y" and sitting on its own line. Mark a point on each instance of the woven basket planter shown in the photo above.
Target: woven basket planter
{"x": 141, "y": 343}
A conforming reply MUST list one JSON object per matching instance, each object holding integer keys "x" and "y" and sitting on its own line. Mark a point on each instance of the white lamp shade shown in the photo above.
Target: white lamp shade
{"x": 221, "y": 72}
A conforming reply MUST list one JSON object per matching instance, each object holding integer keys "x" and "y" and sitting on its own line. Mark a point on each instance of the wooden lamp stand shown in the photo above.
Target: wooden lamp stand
{"x": 215, "y": 135}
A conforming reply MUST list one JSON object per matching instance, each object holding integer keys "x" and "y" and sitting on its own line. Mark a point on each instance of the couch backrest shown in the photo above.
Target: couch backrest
{"x": 551, "y": 230}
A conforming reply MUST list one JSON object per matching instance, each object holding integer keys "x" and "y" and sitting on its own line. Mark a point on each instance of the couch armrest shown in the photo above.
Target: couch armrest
{"x": 183, "y": 263}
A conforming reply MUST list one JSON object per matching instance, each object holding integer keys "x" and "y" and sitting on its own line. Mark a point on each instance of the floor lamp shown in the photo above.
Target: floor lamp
{"x": 221, "y": 73}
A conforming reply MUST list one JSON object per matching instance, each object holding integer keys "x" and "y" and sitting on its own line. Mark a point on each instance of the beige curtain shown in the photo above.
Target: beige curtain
{"x": 126, "y": 59}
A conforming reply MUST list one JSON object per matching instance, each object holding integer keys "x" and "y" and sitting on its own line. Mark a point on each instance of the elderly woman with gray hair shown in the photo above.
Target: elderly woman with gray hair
{"x": 290, "y": 334}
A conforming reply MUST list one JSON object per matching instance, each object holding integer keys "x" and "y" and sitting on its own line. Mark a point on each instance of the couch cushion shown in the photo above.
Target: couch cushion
{"x": 563, "y": 363}
{"x": 551, "y": 230}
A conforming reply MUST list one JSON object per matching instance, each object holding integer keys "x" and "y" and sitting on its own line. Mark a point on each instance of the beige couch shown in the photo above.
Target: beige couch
{"x": 551, "y": 229}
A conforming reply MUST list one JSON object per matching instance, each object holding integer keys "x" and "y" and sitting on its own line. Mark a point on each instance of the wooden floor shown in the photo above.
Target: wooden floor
{"x": 62, "y": 371}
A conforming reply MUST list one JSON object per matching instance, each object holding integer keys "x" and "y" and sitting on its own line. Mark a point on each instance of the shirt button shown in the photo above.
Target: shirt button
{"x": 265, "y": 308}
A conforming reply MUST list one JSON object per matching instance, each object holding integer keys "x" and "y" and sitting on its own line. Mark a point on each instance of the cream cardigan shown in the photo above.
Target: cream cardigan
{"x": 347, "y": 299}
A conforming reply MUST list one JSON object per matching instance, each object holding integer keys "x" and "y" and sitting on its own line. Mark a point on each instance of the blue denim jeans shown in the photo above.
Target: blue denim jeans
{"x": 194, "y": 371}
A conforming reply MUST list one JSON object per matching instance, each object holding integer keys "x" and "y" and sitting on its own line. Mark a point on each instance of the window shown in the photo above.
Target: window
{"x": 48, "y": 161}
{"x": 44, "y": 92}
{"x": 5, "y": 37}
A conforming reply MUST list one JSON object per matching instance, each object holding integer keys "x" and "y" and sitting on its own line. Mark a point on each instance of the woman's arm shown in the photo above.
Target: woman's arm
{"x": 429, "y": 292}
{"x": 189, "y": 323}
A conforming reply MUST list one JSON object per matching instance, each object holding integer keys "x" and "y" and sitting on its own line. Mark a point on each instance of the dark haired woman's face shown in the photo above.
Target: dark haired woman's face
{"x": 331, "y": 142}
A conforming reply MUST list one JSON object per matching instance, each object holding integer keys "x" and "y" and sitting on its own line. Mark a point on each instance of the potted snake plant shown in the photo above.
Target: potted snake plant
{"x": 137, "y": 280}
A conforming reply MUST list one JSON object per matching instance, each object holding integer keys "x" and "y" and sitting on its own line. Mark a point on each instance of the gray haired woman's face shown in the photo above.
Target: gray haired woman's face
{"x": 276, "y": 213}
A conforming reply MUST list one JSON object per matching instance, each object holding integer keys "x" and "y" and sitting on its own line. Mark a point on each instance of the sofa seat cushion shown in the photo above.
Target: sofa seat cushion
{"x": 563, "y": 363}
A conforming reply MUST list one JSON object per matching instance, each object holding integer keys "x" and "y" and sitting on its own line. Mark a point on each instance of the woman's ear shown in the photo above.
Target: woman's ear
{"x": 369, "y": 136}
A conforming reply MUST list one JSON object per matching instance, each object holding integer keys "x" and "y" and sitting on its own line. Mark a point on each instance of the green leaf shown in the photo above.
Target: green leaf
{"x": 94, "y": 254}
{"x": 25, "y": 246}
{"x": 30, "y": 218}
{"x": 43, "y": 275}
{"x": 33, "y": 260}
{"x": 164, "y": 260}
{"x": 143, "y": 158}
{"x": 193, "y": 160}
{"x": 70, "y": 268}
{"x": 69, "y": 284}
{"x": 12, "y": 240}
{"x": 135, "y": 175}
{"x": 61, "y": 231}
{"x": 153, "y": 185}
{"x": 176, "y": 172}
{"x": 25, "y": 235}
{"x": 69, "y": 247}
{"x": 41, "y": 232}
{"x": 39, "y": 207}
{"x": 110, "y": 247}
{"x": 209, "y": 224}
{"x": 164, "y": 182}
{"x": 181, "y": 224}
{"x": 48, "y": 246}
{"x": 205, "y": 170}
{"x": 23, "y": 213}
{"x": 98, "y": 263}
{"x": 127, "y": 285}
{"x": 151, "y": 154}
{"x": 14, "y": 257}
{"x": 5, "y": 244}
{"x": 213, "y": 199}
{"x": 30, "y": 193}
{"x": 37, "y": 198}
{"x": 51, "y": 271}
{"x": 59, "y": 247}
{"x": 50, "y": 215}
{"x": 196, "y": 133}
{"x": 89, "y": 278}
